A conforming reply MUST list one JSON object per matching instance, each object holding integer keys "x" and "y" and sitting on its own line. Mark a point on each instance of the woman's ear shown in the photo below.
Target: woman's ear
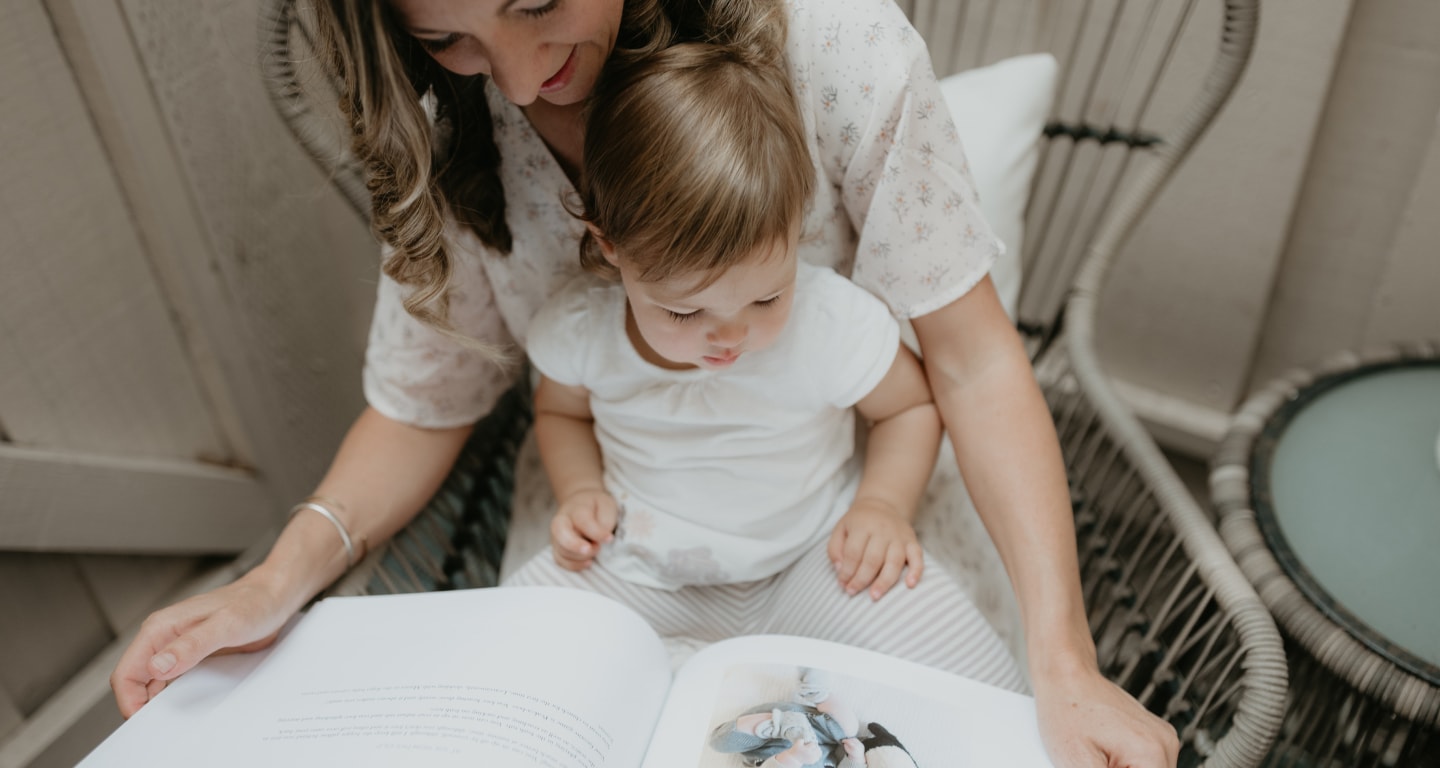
{"x": 607, "y": 248}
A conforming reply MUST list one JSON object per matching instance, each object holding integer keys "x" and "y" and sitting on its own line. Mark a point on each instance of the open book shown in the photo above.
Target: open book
{"x": 554, "y": 678}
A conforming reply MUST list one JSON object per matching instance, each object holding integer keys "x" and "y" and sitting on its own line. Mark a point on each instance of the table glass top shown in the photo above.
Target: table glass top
{"x": 1354, "y": 484}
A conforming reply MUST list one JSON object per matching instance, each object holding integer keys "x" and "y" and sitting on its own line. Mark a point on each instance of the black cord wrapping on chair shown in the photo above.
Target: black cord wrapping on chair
{"x": 1111, "y": 135}
{"x": 479, "y": 539}
{"x": 486, "y": 516}
{"x": 458, "y": 539}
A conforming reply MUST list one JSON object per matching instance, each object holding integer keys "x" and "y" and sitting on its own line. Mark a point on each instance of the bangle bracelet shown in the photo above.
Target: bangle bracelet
{"x": 362, "y": 545}
{"x": 345, "y": 539}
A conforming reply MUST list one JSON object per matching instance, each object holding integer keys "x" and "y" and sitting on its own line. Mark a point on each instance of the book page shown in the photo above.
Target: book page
{"x": 937, "y": 718}
{"x": 180, "y": 713}
{"x": 525, "y": 677}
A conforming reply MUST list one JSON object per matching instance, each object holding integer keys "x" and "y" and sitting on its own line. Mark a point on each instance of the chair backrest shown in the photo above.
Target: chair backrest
{"x": 1138, "y": 81}
{"x": 307, "y": 98}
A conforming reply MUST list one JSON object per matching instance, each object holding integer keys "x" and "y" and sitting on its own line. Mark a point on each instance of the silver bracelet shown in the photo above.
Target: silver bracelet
{"x": 345, "y": 539}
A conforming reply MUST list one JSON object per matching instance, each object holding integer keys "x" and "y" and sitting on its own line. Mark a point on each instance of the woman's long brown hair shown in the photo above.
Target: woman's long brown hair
{"x": 418, "y": 183}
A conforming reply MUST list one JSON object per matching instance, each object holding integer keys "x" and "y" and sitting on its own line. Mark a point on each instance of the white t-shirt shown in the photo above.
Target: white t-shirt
{"x": 894, "y": 208}
{"x": 731, "y": 475}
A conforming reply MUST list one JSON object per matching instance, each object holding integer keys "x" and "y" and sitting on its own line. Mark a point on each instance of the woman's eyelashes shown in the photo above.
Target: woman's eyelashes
{"x": 536, "y": 13}
{"x": 439, "y": 44}
{"x": 435, "y": 45}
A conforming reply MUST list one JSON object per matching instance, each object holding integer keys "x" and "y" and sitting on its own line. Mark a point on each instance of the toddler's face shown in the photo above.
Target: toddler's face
{"x": 742, "y": 311}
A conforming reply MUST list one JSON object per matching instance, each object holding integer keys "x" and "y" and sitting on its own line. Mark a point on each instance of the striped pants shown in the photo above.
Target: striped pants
{"x": 933, "y": 624}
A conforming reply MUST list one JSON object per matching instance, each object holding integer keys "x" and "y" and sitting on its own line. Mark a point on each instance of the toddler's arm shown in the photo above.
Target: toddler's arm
{"x": 875, "y": 541}
{"x": 565, "y": 434}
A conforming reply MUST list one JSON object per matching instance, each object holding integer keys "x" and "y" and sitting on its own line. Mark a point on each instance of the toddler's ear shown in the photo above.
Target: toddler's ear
{"x": 607, "y": 248}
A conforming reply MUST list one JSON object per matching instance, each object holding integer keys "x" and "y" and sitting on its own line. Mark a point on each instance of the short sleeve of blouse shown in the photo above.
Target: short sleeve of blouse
{"x": 887, "y": 142}
{"x": 420, "y": 376}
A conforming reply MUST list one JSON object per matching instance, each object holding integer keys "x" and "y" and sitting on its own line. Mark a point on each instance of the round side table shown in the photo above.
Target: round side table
{"x": 1327, "y": 488}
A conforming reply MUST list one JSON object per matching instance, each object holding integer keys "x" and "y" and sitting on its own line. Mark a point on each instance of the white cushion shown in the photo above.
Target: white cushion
{"x": 1000, "y": 113}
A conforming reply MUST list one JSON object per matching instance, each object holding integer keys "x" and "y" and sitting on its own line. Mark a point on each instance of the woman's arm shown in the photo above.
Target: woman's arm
{"x": 1009, "y": 457}
{"x": 383, "y": 474}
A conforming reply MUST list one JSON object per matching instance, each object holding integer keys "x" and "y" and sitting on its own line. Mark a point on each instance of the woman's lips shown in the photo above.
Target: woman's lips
{"x": 560, "y": 79}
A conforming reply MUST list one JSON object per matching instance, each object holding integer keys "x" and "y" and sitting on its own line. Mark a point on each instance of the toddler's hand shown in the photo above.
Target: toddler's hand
{"x": 872, "y": 545}
{"x": 585, "y": 520}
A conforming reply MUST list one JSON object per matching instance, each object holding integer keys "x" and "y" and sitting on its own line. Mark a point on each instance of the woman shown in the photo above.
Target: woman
{"x": 469, "y": 200}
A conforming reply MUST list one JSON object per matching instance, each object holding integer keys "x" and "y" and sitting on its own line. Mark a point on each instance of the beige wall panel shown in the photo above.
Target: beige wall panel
{"x": 1405, "y": 305}
{"x": 61, "y": 630}
{"x": 9, "y": 715}
{"x": 299, "y": 266}
{"x": 266, "y": 263}
{"x": 126, "y": 589}
{"x": 1183, "y": 312}
{"x": 91, "y": 359}
{"x": 1377, "y": 129}
{"x": 61, "y": 502}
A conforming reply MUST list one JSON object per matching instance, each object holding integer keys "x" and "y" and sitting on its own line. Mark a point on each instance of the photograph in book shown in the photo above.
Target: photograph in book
{"x": 798, "y": 701}
{"x": 540, "y": 677}
{"x": 821, "y": 717}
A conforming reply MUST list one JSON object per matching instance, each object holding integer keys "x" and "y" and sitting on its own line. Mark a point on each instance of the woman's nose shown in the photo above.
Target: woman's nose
{"x": 518, "y": 69}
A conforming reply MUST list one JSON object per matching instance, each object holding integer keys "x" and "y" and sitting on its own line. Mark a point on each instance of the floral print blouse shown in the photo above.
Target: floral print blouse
{"x": 895, "y": 210}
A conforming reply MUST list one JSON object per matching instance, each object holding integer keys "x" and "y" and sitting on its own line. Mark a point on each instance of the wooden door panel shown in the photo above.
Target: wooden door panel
{"x": 68, "y": 502}
{"x": 91, "y": 357}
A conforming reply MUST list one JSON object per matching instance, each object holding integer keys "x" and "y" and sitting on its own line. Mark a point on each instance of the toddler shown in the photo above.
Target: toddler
{"x": 698, "y": 391}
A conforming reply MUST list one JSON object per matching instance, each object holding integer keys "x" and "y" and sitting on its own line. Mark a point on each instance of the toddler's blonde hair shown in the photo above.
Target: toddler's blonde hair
{"x": 695, "y": 156}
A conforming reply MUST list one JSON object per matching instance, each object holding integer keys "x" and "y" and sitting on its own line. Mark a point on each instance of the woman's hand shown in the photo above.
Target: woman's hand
{"x": 1087, "y": 721}
{"x": 242, "y": 616}
{"x": 872, "y": 545}
{"x": 586, "y": 520}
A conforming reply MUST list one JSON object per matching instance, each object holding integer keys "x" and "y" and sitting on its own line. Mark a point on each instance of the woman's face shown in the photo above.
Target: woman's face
{"x": 532, "y": 49}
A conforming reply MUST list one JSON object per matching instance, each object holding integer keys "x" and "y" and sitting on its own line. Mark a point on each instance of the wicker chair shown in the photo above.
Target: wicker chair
{"x": 1175, "y": 621}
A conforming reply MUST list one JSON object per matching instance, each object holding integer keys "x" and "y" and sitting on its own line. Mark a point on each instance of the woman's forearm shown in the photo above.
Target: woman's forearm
{"x": 1017, "y": 480}
{"x": 383, "y": 474}
{"x": 1008, "y": 454}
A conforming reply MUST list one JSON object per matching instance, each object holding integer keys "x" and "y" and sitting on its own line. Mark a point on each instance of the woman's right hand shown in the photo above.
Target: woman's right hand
{"x": 385, "y": 469}
{"x": 242, "y": 616}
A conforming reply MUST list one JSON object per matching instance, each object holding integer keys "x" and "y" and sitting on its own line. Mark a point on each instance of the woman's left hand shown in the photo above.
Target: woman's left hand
{"x": 1087, "y": 721}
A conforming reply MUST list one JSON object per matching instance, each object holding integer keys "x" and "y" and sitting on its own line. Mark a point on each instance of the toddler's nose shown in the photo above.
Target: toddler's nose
{"x": 728, "y": 335}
